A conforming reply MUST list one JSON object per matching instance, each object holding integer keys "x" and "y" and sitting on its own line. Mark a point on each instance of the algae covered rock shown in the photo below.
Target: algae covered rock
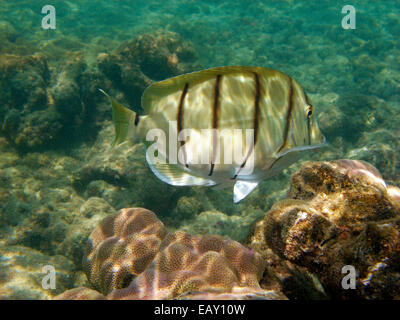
{"x": 236, "y": 227}
{"x": 42, "y": 105}
{"x": 151, "y": 56}
{"x": 22, "y": 273}
{"x": 161, "y": 54}
{"x": 340, "y": 213}
{"x": 281, "y": 275}
{"x": 23, "y": 83}
{"x": 381, "y": 147}
{"x": 40, "y": 209}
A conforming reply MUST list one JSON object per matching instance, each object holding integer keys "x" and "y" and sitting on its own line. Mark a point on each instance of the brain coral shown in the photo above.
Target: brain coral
{"x": 121, "y": 247}
{"x": 131, "y": 256}
{"x": 189, "y": 263}
{"x": 80, "y": 293}
{"x": 340, "y": 213}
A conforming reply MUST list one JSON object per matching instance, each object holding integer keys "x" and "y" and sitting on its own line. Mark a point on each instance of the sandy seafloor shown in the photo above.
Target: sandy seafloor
{"x": 58, "y": 175}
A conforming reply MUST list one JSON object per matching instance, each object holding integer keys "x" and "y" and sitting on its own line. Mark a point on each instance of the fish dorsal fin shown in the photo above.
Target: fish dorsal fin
{"x": 175, "y": 175}
{"x": 242, "y": 189}
{"x": 171, "y": 85}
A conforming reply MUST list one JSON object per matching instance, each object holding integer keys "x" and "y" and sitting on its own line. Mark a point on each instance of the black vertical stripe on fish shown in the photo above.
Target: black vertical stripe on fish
{"x": 308, "y": 118}
{"x": 180, "y": 119}
{"x": 309, "y": 130}
{"x": 215, "y": 111}
{"x": 288, "y": 115}
{"x": 256, "y": 118}
{"x": 137, "y": 119}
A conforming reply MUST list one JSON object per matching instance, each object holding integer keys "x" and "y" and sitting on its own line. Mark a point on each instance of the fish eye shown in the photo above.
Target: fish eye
{"x": 309, "y": 111}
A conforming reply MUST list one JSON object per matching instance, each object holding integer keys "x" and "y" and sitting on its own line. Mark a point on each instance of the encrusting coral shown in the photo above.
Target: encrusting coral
{"x": 340, "y": 213}
{"x": 131, "y": 256}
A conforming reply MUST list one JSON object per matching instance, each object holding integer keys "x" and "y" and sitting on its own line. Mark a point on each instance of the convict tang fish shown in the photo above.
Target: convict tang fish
{"x": 225, "y": 126}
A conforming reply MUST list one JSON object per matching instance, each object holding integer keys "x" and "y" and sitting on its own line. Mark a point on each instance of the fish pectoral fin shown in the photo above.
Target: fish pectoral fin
{"x": 242, "y": 189}
{"x": 176, "y": 176}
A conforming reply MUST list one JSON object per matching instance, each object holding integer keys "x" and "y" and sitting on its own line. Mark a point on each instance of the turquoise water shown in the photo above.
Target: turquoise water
{"x": 58, "y": 175}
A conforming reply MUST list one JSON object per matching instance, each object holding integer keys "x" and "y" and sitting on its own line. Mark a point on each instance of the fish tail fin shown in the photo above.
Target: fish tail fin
{"x": 124, "y": 120}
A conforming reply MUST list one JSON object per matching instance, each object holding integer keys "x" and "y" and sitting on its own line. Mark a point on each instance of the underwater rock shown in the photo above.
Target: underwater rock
{"x": 21, "y": 273}
{"x": 187, "y": 208}
{"x": 41, "y": 105}
{"x": 160, "y": 54}
{"x": 151, "y": 56}
{"x": 340, "y": 213}
{"x": 345, "y": 114}
{"x": 41, "y": 214}
{"x": 125, "y": 76}
{"x": 236, "y": 227}
{"x": 8, "y": 35}
{"x": 54, "y": 230}
{"x": 80, "y": 224}
{"x": 131, "y": 256}
{"x": 73, "y": 91}
{"x": 24, "y": 96}
{"x": 381, "y": 147}
{"x": 281, "y": 275}
{"x": 39, "y": 209}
